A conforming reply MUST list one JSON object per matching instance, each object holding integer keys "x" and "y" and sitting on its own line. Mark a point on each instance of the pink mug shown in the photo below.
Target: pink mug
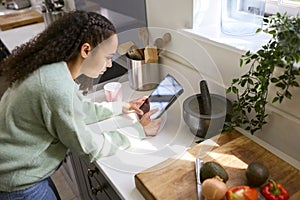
{"x": 113, "y": 91}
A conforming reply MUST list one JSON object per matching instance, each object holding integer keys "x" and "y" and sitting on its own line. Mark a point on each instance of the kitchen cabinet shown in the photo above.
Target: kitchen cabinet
{"x": 4, "y": 52}
{"x": 97, "y": 185}
{"x": 68, "y": 169}
{"x": 86, "y": 179}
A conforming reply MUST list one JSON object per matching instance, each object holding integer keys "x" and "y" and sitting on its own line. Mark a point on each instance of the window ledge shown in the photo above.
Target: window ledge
{"x": 212, "y": 35}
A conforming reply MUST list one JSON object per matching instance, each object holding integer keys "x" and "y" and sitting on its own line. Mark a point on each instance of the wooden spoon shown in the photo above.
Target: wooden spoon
{"x": 144, "y": 36}
{"x": 160, "y": 43}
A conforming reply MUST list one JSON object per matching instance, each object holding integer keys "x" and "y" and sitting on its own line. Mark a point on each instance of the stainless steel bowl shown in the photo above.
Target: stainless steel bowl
{"x": 206, "y": 126}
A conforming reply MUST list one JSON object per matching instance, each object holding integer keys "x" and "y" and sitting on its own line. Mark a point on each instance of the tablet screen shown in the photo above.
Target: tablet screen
{"x": 163, "y": 96}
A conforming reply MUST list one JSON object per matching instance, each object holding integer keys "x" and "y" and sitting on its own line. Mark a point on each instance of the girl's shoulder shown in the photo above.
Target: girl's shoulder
{"x": 55, "y": 72}
{"x": 56, "y": 82}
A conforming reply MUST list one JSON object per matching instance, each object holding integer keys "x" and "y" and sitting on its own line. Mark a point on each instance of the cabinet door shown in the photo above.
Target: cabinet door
{"x": 95, "y": 189}
{"x": 69, "y": 173}
{"x": 94, "y": 174}
{"x": 80, "y": 175}
{"x": 4, "y": 52}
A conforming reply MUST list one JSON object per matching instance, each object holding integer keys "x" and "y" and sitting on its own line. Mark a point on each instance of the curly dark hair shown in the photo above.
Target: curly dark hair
{"x": 61, "y": 41}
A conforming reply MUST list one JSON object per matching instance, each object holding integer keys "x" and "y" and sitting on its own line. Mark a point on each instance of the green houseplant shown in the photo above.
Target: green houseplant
{"x": 252, "y": 88}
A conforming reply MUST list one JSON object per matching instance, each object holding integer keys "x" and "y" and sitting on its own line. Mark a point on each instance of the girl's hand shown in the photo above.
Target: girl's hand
{"x": 150, "y": 126}
{"x": 134, "y": 106}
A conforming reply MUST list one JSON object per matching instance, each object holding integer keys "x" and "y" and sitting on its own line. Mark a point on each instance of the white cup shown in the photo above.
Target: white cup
{"x": 113, "y": 91}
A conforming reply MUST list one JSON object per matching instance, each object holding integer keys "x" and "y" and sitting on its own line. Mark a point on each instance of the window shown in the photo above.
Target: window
{"x": 208, "y": 12}
{"x": 292, "y": 2}
{"x": 206, "y": 24}
{"x": 292, "y": 7}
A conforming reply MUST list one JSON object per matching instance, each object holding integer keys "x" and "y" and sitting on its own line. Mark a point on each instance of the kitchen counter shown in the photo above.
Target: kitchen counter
{"x": 174, "y": 142}
{"x": 17, "y": 36}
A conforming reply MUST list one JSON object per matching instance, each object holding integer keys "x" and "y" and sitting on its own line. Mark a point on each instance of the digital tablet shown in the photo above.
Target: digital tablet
{"x": 163, "y": 96}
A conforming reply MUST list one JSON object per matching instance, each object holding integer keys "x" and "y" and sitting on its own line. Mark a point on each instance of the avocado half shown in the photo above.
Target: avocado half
{"x": 213, "y": 169}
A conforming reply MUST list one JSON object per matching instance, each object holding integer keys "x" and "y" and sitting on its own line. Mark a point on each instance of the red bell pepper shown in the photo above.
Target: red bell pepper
{"x": 274, "y": 191}
{"x": 241, "y": 192}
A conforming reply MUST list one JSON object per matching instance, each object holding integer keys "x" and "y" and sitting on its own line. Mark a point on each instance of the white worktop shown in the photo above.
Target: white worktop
{"x": 172, "y": 141}
{"x": 17, "y": 36}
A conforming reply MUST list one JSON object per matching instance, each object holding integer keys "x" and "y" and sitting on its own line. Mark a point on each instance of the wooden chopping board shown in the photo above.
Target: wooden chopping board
{"x": 176, "y": 178}
{"x": 20, "y": 18}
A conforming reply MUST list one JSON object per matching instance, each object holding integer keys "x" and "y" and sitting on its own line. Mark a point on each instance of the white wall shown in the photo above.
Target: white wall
{"x": 281, "y": 134}
{"x": 170, "y": 13}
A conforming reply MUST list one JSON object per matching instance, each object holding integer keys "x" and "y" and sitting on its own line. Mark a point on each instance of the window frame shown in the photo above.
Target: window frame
{"x": 291, "y": 7}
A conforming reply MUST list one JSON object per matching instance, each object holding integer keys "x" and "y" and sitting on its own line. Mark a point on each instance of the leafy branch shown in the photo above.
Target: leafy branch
{"x": 252, "y": 88}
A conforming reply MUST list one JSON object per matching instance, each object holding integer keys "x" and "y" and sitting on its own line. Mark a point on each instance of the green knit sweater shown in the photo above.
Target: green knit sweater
{"x": 41, "y": 118}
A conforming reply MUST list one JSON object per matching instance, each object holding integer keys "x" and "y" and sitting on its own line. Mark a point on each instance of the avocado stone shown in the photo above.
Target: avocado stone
{"x": 212, "y": 169}
{"x": 257, "y": 174}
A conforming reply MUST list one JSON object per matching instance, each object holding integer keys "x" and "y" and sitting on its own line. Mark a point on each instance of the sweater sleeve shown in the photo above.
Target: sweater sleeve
{"x": 66, "y": 120}
{"x": 100, "y": 111}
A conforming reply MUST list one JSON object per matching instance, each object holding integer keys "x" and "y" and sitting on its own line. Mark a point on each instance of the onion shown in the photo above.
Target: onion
{"x": 213, "y": 189}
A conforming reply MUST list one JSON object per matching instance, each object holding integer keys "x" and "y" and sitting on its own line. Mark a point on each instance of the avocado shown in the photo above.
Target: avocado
{"x": 257, "y": 174}
{"x": 212, "y": 169}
